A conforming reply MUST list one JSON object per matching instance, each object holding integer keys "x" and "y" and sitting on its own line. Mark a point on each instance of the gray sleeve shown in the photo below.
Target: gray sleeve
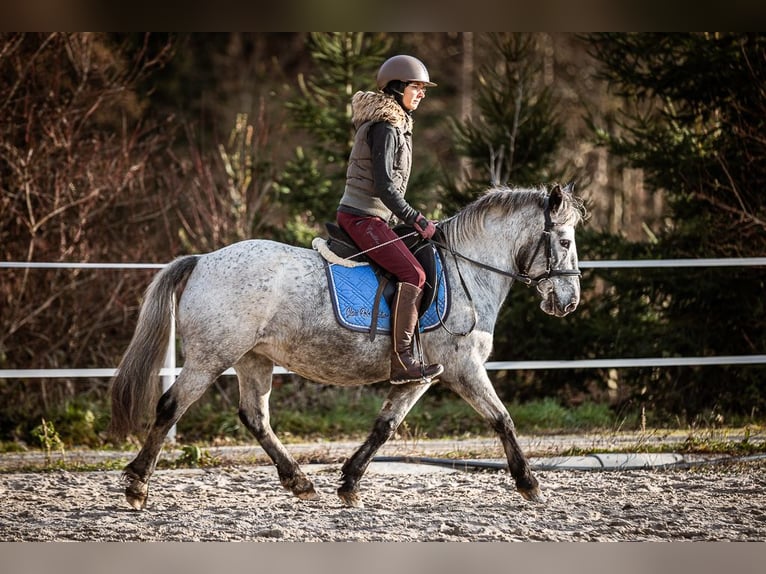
{"x": 382, "y": 140}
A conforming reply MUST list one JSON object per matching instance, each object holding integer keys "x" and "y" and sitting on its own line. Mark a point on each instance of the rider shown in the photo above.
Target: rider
{"x": 376, "y": 181}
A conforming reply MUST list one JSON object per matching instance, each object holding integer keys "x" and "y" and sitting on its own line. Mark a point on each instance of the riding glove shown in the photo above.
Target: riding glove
{"x": 425, "y": 227}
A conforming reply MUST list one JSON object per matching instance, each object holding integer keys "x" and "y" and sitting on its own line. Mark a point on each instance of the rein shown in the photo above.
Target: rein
{"x": 523, "y": 276}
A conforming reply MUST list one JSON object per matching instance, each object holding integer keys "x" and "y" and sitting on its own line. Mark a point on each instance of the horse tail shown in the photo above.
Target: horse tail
{"x": 134, "y": 388}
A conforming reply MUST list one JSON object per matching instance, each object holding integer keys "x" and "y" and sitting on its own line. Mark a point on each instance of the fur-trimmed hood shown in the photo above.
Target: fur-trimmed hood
{"x": 377, "y": 106}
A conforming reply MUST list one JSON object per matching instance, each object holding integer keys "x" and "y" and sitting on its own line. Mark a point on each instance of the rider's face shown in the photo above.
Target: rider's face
{"x": 413, "y": 93}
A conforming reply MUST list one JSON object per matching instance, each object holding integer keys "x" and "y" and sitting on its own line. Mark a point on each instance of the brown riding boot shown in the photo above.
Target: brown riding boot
{"x": 404, "y": 321}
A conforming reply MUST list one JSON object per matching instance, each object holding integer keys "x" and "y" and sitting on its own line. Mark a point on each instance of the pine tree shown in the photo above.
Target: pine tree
{"x": 696, "y": 129}
{"x": 513, "y": 140}
{"x": 694, "y": 122}
{"x": 515, "y": 135}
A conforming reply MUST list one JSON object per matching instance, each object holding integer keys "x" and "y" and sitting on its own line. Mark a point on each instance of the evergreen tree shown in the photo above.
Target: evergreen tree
{"x": 513, "y": 140}
{"x": 515, "y": 135}
{"x": 694, "y": 123}
{"x": 312, "y": 181}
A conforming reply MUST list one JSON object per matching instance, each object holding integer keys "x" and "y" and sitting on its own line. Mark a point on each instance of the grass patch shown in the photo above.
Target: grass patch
{"x": 303, "y": 411}
{"x": 548, "y": 415}
{"x": 69, "y": 466}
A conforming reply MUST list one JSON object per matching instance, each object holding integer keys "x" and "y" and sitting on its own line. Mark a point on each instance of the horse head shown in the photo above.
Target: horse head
{"x": 552, "y": 266}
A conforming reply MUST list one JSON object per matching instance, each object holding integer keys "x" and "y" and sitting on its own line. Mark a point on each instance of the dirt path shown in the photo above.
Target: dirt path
{"x": 403, "y": 502}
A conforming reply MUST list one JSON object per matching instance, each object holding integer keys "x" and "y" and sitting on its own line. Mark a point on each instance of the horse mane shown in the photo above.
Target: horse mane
{"x": 470, "y": 220}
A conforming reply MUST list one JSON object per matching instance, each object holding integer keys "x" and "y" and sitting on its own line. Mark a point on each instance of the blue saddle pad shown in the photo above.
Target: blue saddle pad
{"x": 353, "y": 289}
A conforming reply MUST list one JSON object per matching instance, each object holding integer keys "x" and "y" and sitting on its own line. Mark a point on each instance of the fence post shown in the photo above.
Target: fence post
{"x": 170, "y": 363}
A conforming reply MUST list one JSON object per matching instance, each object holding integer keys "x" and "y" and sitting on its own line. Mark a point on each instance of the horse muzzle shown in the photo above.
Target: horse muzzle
{"x": 558, "y": 300}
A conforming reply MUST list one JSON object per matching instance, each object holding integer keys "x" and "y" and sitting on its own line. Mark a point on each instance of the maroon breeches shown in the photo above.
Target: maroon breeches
{"x": 370, "y": 232}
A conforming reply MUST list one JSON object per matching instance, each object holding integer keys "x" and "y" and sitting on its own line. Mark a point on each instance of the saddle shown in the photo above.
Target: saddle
{"x": 341, "y": 244}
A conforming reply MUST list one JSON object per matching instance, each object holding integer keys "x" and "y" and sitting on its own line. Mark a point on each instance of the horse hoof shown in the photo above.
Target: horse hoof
{"x": 136, "y": 502}
{"x": 136, "y": 493}
{"x": 351, "y": 499}
{"x": 532, "y": 494}
{"x": 300, "y": 486}
{"x": 308, "y": 494}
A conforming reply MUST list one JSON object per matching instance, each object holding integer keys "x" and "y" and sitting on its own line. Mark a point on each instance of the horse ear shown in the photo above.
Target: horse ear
{"x": 569, "y": 187}
{"x": 555, "y": 198}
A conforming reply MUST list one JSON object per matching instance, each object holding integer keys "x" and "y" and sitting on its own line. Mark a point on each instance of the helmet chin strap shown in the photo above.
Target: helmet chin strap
{"x": 391, "y": 89}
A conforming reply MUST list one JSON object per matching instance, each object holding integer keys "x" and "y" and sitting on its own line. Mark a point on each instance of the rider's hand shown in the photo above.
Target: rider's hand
{"x": 425, "y": 227}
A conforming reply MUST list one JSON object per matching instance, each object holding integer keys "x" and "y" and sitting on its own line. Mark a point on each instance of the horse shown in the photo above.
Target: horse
{"x": 258, "y": 303}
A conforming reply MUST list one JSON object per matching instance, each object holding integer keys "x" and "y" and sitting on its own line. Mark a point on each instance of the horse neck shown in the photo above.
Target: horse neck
{"x": 500, "y": 239}
{"x": 497, "y": 245}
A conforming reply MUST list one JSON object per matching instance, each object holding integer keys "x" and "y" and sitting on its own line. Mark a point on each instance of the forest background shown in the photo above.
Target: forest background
{"x": 144, "y": 147}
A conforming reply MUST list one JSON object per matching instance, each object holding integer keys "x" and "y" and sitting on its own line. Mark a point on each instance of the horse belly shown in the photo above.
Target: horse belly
{"x": 326, "y": 353}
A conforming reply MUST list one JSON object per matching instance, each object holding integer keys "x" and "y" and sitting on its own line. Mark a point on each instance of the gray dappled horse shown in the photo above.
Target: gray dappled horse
{"x": 259, "y": 303}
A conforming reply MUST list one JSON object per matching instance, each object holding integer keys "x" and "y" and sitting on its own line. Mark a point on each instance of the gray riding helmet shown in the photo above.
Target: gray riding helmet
{"x": 403, "y": 68}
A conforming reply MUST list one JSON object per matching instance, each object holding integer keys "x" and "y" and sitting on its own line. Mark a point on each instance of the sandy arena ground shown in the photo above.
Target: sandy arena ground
{"x": 402, "y": 502}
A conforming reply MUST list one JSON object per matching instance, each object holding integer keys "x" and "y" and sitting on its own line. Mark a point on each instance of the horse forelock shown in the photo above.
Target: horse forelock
{"x": 572, "y": 211}
{"x": 470, "y": 220}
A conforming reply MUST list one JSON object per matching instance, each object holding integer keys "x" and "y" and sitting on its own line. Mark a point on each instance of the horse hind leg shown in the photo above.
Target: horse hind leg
{"x": 187, "y": 389}
{"x": 254, "y": 373}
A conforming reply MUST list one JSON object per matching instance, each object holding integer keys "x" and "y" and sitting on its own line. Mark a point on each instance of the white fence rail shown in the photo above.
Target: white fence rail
{"x": 169, "y": 370}
{"x": 172, "y": 371}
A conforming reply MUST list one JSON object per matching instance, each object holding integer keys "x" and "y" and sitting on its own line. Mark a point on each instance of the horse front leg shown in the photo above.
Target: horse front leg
{"x": 401, "y": 398}
{"x": 477, "y": 390}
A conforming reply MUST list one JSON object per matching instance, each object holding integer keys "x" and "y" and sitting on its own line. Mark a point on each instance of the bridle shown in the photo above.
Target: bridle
{"x": 545, "y": 238}
{"x": 523, "y": 276}
{"x": 544, "y": 242}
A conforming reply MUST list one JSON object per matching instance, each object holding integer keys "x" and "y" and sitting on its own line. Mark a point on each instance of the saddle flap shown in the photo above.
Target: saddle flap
{"x": 361, "y": 300}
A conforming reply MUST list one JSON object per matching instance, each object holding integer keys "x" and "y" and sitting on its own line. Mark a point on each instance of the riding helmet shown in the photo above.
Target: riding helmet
{"x": 405, "y": 69}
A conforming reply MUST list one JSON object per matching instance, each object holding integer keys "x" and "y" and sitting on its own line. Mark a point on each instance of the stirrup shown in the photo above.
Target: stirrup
{"x": 422, "y": 379}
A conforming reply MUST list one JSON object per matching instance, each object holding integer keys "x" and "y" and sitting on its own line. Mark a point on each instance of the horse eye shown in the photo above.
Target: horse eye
{"x": 565, "y": 243}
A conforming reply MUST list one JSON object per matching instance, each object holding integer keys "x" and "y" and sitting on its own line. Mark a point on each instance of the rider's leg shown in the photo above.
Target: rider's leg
{"x": 383, "y": 246}
{"x": 404, "y": 323}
